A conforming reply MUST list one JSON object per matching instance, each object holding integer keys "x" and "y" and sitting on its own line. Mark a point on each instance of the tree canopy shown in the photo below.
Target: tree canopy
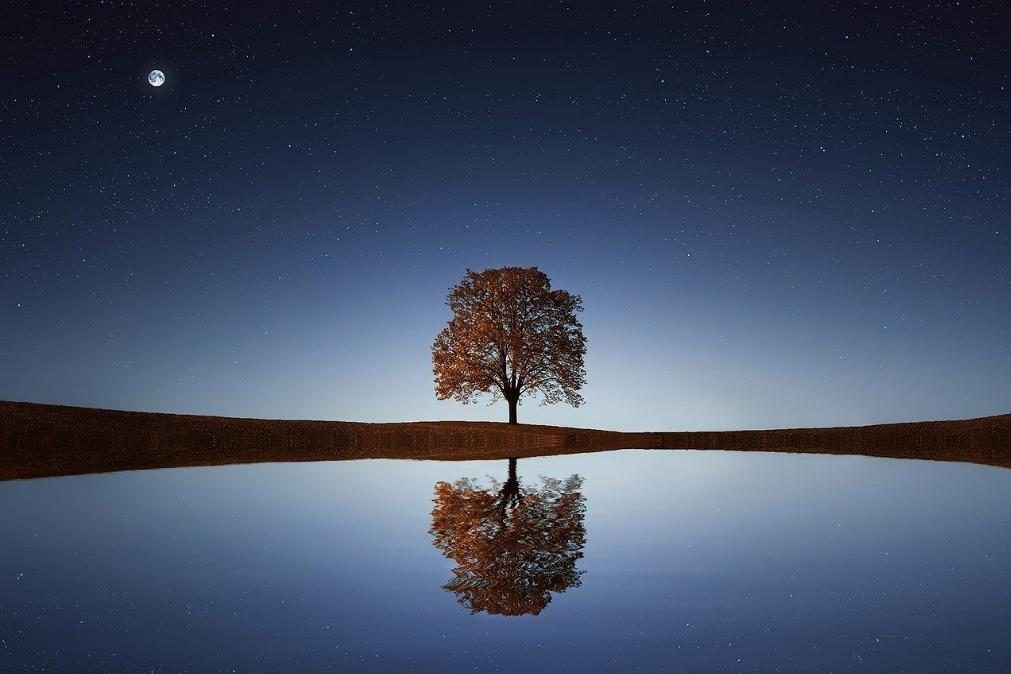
{"x": 510, "y": 336}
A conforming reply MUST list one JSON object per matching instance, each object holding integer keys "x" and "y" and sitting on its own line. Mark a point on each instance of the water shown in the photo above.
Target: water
{"x": 648, "y": 561}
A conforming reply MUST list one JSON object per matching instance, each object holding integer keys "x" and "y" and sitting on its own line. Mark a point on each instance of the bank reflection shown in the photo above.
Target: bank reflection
{"x": 514, "y": 544}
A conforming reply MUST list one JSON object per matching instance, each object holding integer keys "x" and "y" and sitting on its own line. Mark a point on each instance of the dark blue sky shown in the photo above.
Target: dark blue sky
{"x": 773, "y": 218}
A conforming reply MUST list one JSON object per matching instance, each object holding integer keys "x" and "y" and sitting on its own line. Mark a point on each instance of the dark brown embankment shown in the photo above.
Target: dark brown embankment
{"x": 986, "y": 440}
{"x": 49, "y": 440}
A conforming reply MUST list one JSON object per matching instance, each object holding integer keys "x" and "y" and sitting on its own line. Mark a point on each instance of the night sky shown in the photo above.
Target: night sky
{"x": 774, "y": 218}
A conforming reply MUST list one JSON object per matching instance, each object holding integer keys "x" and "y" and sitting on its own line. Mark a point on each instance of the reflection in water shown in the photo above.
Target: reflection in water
{"x": 513, "y": 544}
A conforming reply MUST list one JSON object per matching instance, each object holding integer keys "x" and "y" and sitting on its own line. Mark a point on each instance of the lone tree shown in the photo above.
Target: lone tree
{"x": 511, "y": 335}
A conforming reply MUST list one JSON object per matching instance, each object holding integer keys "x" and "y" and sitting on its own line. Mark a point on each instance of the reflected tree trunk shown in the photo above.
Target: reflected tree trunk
{"x": 510, "y": 496}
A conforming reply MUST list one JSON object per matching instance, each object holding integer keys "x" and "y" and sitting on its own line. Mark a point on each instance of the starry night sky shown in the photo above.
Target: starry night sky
{"x": 773, "y": 218}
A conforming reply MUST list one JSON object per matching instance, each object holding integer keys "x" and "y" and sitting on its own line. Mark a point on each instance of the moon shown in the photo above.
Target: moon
{"x": 156, "y": 78}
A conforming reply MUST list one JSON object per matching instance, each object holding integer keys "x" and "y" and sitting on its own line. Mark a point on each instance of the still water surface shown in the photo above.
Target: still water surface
{"x": 612, "y": 562}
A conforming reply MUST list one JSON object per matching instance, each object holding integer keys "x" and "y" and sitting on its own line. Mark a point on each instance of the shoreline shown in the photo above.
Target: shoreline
{"x": 39, "y": 440}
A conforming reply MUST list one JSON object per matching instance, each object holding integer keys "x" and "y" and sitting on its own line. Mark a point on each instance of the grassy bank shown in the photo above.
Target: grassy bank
{"x": 49, "y": 440}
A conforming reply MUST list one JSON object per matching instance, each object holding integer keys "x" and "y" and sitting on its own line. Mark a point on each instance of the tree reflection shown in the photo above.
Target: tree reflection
{"x": 513, "y": 545}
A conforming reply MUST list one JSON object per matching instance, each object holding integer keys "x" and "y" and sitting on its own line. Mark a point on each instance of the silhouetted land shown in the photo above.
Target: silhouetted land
{"x": 49, "y": 440}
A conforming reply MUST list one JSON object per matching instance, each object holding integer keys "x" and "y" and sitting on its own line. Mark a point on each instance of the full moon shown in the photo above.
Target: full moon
{"x": 156, "y": 78}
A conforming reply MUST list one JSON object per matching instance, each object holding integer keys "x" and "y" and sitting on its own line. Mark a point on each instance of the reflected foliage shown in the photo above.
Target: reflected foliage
{"x": 513, "y": 544}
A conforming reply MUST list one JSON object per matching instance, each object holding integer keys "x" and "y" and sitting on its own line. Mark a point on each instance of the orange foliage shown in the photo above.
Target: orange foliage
{"x": 512, "y": 546}
{"x": 511, "y": 335}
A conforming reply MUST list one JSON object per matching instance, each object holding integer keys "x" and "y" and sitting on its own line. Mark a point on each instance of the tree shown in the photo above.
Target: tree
{"x": 512, "y": 336}
{"x": 513, "y": 545}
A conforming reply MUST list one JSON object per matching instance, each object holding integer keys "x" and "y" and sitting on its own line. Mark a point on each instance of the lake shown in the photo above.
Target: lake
{"x": 609, "y": 562}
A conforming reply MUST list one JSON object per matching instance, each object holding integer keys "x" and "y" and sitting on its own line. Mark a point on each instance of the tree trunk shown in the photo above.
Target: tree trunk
{"x": 512, "y": 410}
